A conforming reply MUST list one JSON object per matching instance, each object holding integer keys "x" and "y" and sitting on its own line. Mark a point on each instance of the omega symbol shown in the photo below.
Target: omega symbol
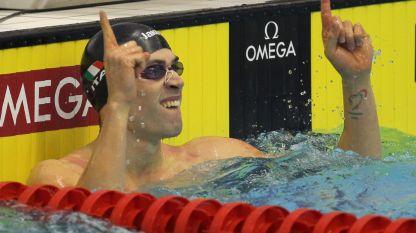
{"x": 276, "y": 30}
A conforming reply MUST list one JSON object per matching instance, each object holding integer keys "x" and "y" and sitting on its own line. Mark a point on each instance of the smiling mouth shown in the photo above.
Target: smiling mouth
{"x": 174, "y": 104}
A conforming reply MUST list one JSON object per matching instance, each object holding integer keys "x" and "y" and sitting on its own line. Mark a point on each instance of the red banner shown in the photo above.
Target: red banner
{"x": 43, "y": 100}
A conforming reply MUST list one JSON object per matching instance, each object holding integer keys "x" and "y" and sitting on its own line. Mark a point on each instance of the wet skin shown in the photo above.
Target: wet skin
{"x": 128, "y": 152}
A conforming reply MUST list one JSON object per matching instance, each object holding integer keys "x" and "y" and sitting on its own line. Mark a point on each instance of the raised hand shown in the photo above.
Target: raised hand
{"x": 122, "y": 63}
{"x": 347, "y": 46}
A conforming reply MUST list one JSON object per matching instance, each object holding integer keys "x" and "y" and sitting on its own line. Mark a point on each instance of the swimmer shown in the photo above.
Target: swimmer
{"x": 139, "y": 100}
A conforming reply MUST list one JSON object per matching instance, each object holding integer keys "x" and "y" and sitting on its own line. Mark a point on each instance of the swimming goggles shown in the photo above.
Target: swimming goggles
{"x": 158, "y": 71}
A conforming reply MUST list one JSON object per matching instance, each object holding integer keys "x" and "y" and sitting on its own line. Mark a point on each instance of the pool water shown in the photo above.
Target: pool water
{"x": 312, "y": 173}
{"x": 17, "y": 218}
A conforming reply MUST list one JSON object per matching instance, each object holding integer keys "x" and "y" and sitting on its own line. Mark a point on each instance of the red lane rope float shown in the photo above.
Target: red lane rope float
{"x": 101, "y": 203}
{"x": 37, "y": 195}
{"x": 403, "y": 225}
{"x": 174, "y": 214}
{"x": 335, "y": 222}
{"x": 197, "y": 216}
{"x": 162, "y": 214}
{"x": 11, "y": 190}
{"x": 230, "y": 218}
{"x": 370, "y": 224}
{"x": 265, "y": 219}
{"x": 130, "y": 210}
{"x": 68, "y": 199}
{"x": 301, "y": 220}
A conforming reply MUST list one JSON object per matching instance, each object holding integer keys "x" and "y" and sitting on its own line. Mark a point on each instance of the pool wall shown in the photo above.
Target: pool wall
{"x": 248, "y": 69}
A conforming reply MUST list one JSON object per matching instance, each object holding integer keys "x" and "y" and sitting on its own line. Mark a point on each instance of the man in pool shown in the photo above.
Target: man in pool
{"x": 140, "y": 105}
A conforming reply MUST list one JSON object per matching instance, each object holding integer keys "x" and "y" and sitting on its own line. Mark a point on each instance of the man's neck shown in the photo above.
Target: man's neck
{"x": 143, "y": 155}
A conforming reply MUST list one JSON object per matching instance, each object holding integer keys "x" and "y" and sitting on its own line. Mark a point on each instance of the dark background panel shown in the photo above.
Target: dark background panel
{"x": 270, "y": 93}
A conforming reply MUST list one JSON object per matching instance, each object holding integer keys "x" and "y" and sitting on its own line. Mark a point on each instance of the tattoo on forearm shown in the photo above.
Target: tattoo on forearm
{"x": 355, "y": 101}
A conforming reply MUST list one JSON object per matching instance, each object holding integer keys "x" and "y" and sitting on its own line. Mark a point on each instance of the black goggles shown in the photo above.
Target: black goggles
{"x": 158, "y": 71}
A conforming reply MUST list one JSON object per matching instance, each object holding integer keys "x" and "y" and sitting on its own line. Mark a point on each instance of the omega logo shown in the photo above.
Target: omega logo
{"x": 273, "y": 48}
{"x": 266, "y": 30}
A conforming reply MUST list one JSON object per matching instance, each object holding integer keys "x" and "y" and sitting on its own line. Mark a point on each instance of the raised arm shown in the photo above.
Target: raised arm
{"x": 349, "y": 49}
{"x": 107, "y": 166}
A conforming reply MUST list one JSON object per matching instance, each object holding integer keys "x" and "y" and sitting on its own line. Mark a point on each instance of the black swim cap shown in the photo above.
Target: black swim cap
{"x": 92, "y": 65}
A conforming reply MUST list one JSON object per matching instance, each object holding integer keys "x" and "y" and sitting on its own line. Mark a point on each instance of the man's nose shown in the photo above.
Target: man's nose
{"x": 173, "y": 80}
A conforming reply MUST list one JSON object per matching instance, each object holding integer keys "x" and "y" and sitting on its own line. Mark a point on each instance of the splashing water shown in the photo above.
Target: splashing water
{"x": 309, "y": 172}
{"x": 376, "y": 54}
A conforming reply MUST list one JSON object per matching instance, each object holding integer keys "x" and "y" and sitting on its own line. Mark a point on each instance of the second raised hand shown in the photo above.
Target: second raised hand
{"x": 347, "y": 46}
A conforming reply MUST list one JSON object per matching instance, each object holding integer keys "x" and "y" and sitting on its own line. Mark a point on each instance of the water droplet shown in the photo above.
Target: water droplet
{"x": 140, "y": 108}
{"x": 391, "y": 61}
{"x": 142, "y": 93}
{"x": 290, "y": 72}
{"x": 142, "y": 124}
{"x": 320, "y": 57}
{"x": 131, "y": 118}
{"x": 289, "y": 106}
{"x": 376, "y": 55}
{"x": 303, "y": 93}
{"x": 138, "y": 140}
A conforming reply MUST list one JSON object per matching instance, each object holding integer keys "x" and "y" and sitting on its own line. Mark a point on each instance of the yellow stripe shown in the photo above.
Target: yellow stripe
{"x": 194, "y": 80}
{"x": 222, "y": 68}
{"x": 411, "y": 20}
{"x": 386, "y": 62}
{"x": 393, "y": 69}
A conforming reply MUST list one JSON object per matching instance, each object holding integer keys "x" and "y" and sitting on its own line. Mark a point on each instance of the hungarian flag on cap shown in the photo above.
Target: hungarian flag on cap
{"x": 93, "y": 70}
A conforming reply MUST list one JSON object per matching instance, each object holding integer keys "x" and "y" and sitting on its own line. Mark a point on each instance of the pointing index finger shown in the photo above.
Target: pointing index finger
{"x": 110, "y": 40}
{"x": 326, "y": 14}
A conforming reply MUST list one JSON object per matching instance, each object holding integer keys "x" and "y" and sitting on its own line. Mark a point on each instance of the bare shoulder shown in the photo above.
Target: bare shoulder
{"x": 61, "y": 172}
{"x": 54, "y": 172}
{"x": 220, "y": 148}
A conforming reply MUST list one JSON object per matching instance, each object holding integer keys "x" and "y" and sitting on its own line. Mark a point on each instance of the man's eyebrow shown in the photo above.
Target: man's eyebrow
{"x": 160, "y": 61}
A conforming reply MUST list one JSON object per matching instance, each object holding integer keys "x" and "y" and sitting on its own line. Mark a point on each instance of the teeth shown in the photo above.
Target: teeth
{"x": 169, "y": 104}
